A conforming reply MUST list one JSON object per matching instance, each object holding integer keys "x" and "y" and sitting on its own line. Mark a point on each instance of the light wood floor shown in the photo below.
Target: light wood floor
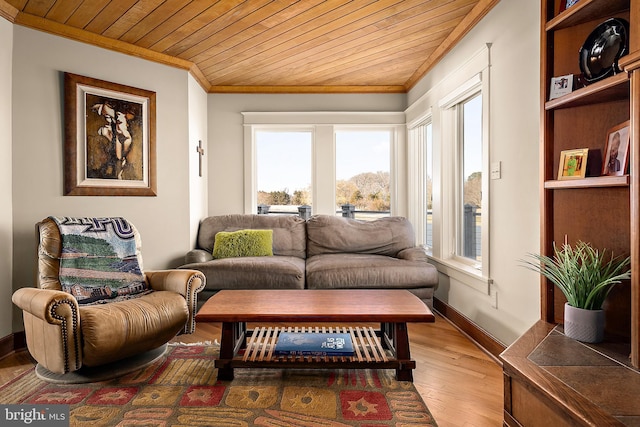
{"x": 460, "y": 384}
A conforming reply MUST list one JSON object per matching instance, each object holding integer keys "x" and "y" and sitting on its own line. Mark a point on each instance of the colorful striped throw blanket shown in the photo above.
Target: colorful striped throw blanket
{"x": 99, "y": 260}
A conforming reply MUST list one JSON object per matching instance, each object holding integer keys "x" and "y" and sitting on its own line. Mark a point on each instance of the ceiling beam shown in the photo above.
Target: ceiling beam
{"x": 307, "y": 89}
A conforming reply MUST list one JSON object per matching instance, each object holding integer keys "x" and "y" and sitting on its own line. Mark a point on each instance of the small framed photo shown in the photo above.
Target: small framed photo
{"x": 616, "y": 150}
{"x": 566, "y": 4}
{"x": 573, "y": 164}
{"x": 560, "y": 86}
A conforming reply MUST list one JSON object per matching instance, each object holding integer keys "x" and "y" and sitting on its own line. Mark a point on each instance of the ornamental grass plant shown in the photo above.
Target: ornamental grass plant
{"x": 583, "y": 274}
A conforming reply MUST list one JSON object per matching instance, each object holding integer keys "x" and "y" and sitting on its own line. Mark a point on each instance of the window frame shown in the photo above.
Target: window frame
{"x": 393, "y": 157}
{"x": 417, "y": 177}
{"x": 323, "y": 126}
{"x": 460, "y": 181}
{"x": 251, "y": 161}
{"x": 278, "y": 129}
{"x": 451, "y": 186}
{"x": 434, "y": 106}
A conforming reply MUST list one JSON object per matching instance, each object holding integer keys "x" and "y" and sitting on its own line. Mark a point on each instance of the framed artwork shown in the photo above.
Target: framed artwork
{"x": 109, "y": 147}
{"x": 616, "y": 150}
{"x": 573, "y": 164}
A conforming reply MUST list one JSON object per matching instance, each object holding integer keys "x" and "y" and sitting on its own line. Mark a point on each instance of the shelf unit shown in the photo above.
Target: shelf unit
{"x": 581, "y": 119}
{"x": 602, "y": 210}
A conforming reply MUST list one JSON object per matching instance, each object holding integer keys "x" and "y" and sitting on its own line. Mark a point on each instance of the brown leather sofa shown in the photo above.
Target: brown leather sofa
{"x": 64, "y": 336}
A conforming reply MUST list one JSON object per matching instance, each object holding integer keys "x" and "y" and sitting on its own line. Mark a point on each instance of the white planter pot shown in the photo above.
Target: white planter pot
{"x": 583, "y": 325}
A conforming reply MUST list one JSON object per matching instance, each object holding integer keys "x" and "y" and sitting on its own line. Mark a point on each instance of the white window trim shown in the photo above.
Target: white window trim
{"x": 478, "y": 84}
{"x": 417, "y": 175}
{"x": 250, "y": 161}
{"x": 323, "y": 126}
{"x": 470, "y": 75}
{"x": 396, "y": 134}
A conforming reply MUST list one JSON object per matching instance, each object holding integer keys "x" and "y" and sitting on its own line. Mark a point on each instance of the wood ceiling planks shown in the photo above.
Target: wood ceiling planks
{"x": 269, "y": 45}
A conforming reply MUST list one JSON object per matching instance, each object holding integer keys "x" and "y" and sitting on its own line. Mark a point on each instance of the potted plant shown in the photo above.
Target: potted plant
{"x": 585, "y": 276}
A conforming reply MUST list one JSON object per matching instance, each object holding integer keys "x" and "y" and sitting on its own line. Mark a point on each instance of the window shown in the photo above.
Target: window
{"x": 304, "y": 153}
{"x": 283, "y": 170}
{"x": 363, "y": 178}
{"x": 463, "y": 202}
{"x": 428, "y": 185}
{"x": 447, "y": 172}
{"x": 420, "y": 180}
{"x": 469, "y": 201}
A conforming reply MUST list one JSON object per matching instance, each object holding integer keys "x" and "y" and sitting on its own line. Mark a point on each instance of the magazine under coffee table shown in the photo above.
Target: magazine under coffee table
{"x": 384, "y": 348}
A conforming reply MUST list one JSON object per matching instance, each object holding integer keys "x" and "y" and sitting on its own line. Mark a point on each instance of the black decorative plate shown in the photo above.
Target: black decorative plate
{"x": 605, "y": 45}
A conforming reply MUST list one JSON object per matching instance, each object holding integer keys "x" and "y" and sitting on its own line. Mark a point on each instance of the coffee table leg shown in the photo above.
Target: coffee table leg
{"x": 232, "y": 333}
{"x": 401, "y": 344}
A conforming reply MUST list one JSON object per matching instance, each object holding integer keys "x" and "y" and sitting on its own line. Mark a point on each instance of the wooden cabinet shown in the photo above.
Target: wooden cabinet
{"x": 602, "y": 210}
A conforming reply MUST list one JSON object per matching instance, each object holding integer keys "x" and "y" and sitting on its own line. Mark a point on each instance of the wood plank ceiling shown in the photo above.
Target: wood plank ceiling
{"x": 274, "y": 46}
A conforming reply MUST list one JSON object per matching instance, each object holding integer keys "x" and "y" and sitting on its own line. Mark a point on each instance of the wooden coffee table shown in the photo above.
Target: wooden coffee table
{"x": 386, "y": 348}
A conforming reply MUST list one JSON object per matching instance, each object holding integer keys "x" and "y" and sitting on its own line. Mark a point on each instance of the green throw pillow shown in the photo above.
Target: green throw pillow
{"x": 243, "y": 243}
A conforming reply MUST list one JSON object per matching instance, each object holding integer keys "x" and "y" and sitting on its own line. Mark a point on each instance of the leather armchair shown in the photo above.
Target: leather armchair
{"x": 63, "y": 336}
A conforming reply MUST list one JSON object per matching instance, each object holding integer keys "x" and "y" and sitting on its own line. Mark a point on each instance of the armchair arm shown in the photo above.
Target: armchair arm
{"x": 187, "y": 283}
{"x": 52, "y": 328}
{"x": 197, "y": 256}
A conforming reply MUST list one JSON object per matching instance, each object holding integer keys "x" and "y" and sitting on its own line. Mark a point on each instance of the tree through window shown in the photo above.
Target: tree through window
{"x": 363, "y": 159}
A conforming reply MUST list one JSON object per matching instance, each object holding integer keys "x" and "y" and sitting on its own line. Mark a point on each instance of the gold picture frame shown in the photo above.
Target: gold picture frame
{"x": 573, "y": 164}
{"x": 110, "y": 139}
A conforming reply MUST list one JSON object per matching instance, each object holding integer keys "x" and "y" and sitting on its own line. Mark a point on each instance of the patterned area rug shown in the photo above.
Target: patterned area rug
{"x": 181, "y": 389}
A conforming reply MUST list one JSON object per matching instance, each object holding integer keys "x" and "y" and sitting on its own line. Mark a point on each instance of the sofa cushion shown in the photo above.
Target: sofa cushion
{"x": 243, "y": 243}
{"x": 336, "y": 271}
{"x": 385, "y": 236}
{"x": 289, "y": 231}
{"x": 276, "y": 272}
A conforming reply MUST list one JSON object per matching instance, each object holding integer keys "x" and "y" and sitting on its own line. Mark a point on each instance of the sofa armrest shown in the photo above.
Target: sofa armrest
{"x": 416, "y": 253}
{"x": 52, "y": 327}
{"x": 187, "y": 283}
{"x": 197, "y": 255}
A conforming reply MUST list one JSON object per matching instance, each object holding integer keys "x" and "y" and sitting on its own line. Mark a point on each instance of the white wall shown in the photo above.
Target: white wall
{"x": 226, "y": 172}
{"x": 512, "y": 28}
{"x": 39, "y": 60}
{"x": 6, "y": 222}
{"x": 197, "y": 132}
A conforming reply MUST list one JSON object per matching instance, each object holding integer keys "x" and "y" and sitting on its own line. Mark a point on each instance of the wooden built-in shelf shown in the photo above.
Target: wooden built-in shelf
{"x": 593, "y": 182}
{"x": 612, "y": 88}
{"x": 585, "y": 11}
{"x": 550, "y": 379}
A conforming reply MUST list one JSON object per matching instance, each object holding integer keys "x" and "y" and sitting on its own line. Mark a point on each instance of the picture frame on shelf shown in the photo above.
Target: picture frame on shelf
{"x": 109, "y": 147}
{"x": 560, "y": 86}
{"x": 616, "y": 150}
{"x": 573, "y": 164}
{"x": 566, "y": 4}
